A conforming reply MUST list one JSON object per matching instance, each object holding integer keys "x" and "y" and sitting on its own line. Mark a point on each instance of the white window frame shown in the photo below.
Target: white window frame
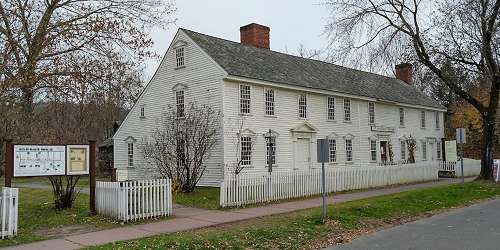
{"x": 273, "y": 156}
{"x": 270, "y": 102}
{"x": 246, "y": 149}
{"x": 142, "y": 111}
{"x": 180, "y": 102}
{"x": 371, "y": 113}
{"x": 401, "y": 117}
{"x": 349, "y": 156}
{"x": 424, "y": 150}
{"x": 130, "y": 154}
{"x": 245, "y": 99}
{"x": 330, "y": 108}
{"x": 436, "y": 117}
{"x": 332, "y": 156}
{"x": 347, "y": 109}
{"x": 422, "y": 119}
{"x": 180, "y": 57}
{"x": 373, "y": 150}
{"x": 302, "y": 106}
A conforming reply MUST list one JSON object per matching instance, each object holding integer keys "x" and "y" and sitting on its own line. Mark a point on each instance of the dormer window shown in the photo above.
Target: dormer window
{"x": 179, "y": 57}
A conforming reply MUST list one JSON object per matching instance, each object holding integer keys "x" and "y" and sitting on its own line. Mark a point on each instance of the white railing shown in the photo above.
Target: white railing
{"x": 471, "y": 167}
{"x": 252, "y": 188}
{"x": 9, "y": 210}
{"x": 133, "y": 200}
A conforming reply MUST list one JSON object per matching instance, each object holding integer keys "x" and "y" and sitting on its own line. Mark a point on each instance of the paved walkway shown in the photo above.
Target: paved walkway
{"x": 188, "y": 218}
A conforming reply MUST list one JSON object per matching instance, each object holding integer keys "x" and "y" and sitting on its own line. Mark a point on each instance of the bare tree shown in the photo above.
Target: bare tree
{"x": 464, "y": 33}
{"x": 55, "y": 45}
{"x": 181, "y": 144}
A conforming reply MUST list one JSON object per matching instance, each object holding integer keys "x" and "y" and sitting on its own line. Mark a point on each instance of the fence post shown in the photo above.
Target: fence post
{"x": 92, "y": 176}
{"x": 222, "y": 194}
{"x": 9, "y": 160}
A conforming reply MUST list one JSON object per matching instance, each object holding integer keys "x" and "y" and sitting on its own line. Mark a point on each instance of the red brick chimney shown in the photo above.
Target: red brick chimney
{"x": 404, "y": 72}
{"x": 255, "y": 35}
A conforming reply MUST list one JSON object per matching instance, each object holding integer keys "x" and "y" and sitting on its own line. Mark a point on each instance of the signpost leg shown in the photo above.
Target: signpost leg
{"x": 9, "y": 160}
{"x": 462, "y": 161}
{"x": 324, "y": 190}
{"x": 92, "y": 176}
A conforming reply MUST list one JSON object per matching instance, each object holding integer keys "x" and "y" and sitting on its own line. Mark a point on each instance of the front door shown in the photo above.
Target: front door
{"x": 383, "y": 151}
{"x": 432, "y": 150}
{"x": 302, "y": 154}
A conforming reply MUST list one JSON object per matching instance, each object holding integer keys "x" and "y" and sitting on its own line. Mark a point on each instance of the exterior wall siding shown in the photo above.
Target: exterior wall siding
{"x": 203, "y": 80}
{"x": 286, "y": 118}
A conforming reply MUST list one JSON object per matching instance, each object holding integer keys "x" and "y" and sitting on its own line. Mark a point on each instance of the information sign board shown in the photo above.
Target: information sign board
{"x": 39, "y": 160}
{"x": 78, "y": 159}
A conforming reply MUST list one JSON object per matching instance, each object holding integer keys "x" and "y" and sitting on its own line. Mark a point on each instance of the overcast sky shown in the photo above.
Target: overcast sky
{"x": 292, "y": 22}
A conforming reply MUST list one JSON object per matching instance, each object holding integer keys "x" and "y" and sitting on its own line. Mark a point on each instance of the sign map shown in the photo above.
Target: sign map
{"x": 39, "y": 160}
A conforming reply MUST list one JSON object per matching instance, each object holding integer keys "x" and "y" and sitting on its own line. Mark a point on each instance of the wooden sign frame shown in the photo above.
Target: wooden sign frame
{"x": 91, "y": 154}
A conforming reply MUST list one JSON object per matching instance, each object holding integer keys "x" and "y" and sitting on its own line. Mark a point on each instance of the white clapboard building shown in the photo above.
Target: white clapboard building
{"x": 367, "y": 117}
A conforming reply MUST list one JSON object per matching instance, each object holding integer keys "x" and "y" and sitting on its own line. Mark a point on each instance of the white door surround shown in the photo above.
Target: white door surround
{"x": 303, "y": 136}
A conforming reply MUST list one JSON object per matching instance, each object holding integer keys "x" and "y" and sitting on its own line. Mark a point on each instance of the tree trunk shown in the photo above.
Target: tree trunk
{"x": 27, "y": 114}
{"x": 487, "y": 147}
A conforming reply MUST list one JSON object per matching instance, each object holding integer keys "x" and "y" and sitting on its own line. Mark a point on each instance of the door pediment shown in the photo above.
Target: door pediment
{"x": 304, "y": 128}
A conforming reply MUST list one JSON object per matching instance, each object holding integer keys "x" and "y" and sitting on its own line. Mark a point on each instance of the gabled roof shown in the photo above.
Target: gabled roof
{"x": 263, "y": 64}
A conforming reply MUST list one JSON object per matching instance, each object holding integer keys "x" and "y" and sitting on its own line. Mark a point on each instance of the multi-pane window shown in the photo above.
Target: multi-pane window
{"x": 347, "y": 109}
{"x": 245, "y": 99}
{"x": 438, "y": 150}
{"x": 179, "y": 103}
{"x": 333, "y": 150}
{"x": 401, "y": 117}
{"x": 246, "y": 150}
{"x": 371, "y": 112}
{"x": 348, "y": 150}
{"x": 303, "y": 106}
{"x": 130, "y": 154}
{"x": 373, "y": 150}
{"x": 143, "y": 112}
{"x": 424, "y": 150}
{"x": 403, "y": 150}
{"x": 179, "y": 56}
{"x": 271, "y": 148}
{"x": 181, "y": 152}
{"x": 436, "y": 114}
{"x": 331, "y": 108}
{"x": 269, "y": 95}
{"x": 422, "y": 119}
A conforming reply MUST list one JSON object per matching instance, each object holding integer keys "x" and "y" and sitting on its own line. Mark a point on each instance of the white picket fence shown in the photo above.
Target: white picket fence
{"x": 471, "y": 167}
{"x": 9, "y": 210}
{"x": 133, "y": 200}
{"x": 252, "y": 188}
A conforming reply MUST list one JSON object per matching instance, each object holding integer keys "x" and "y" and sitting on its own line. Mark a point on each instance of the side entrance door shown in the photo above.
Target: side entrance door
{"x": 383, "y": 151}
{"x": 302, "y": 154}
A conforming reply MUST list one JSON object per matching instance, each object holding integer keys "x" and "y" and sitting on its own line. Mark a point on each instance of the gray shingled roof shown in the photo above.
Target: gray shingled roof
{"x": 247, "y": 61}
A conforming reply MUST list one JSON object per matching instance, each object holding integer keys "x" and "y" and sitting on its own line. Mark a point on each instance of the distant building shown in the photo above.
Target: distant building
{"x": 367, "y": 117}
{"x": 105, "y": 149}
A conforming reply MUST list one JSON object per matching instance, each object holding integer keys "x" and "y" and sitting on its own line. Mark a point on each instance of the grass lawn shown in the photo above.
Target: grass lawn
{"x": 202, "y": 197}
{"x": 304, "y": 229}
{"x": 38, "y": 220}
